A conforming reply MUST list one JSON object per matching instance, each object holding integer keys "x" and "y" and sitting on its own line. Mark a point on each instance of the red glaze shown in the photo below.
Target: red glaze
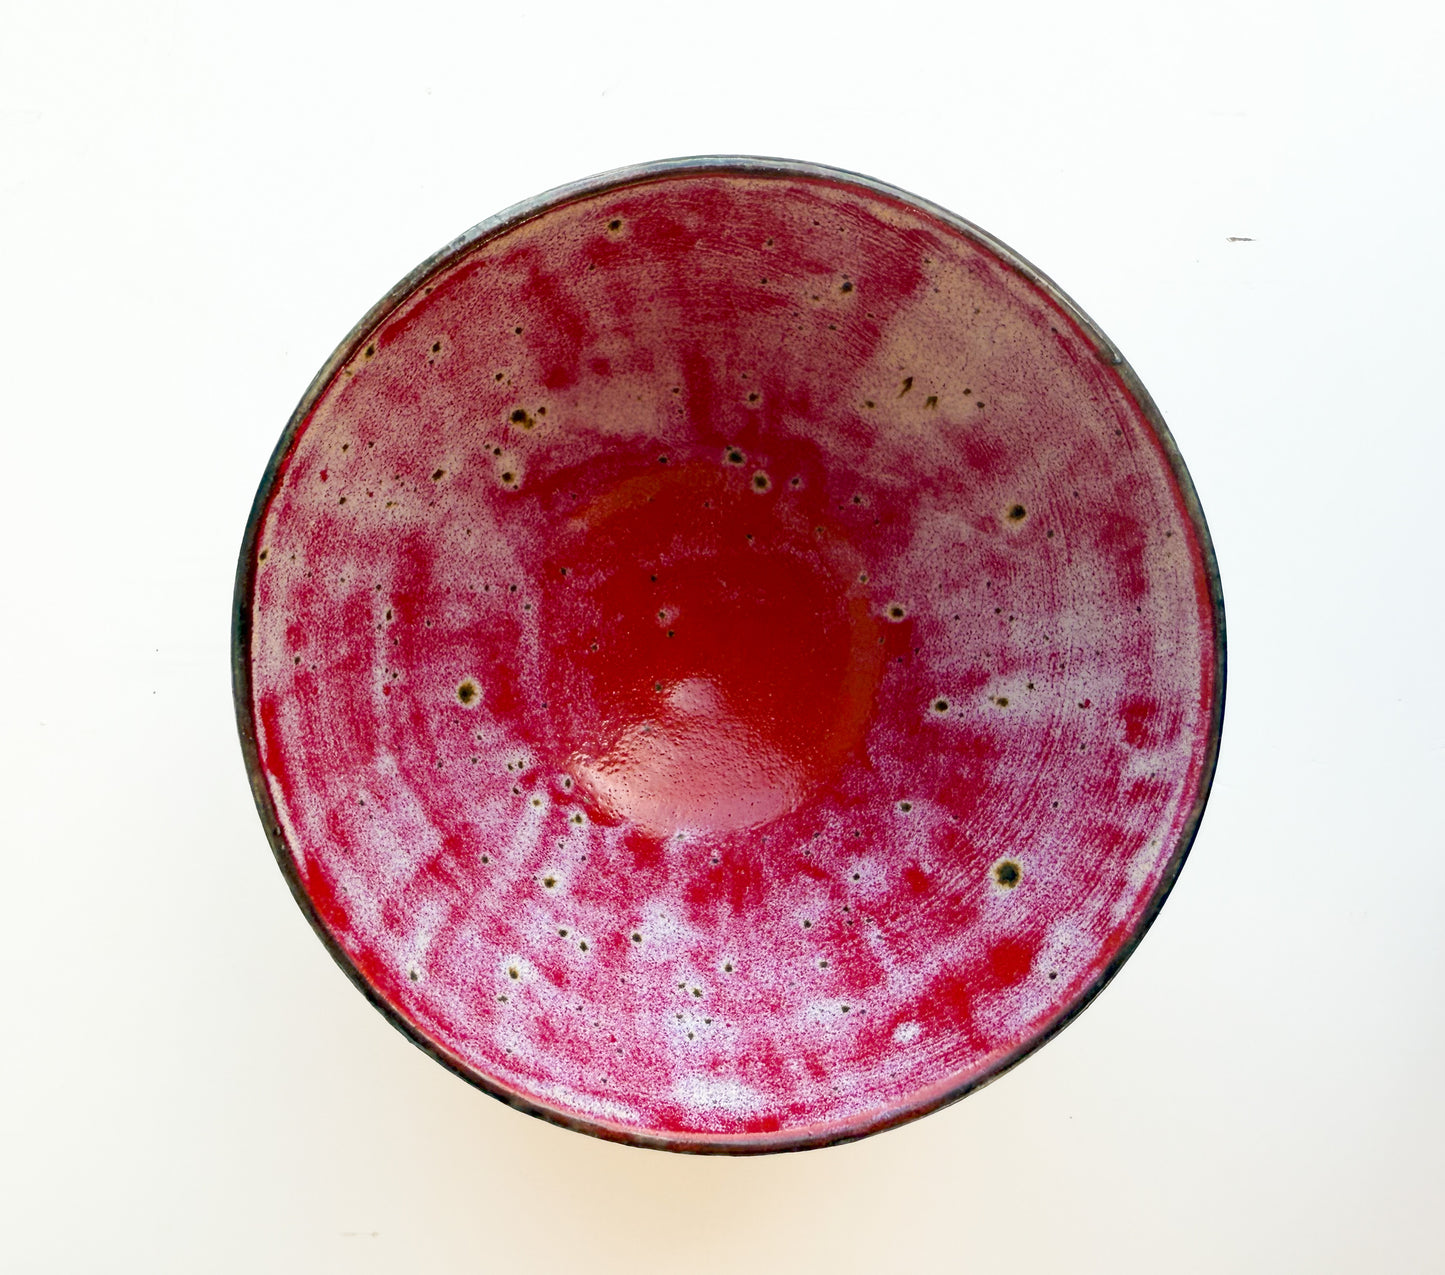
{"x": 729, "y": 658}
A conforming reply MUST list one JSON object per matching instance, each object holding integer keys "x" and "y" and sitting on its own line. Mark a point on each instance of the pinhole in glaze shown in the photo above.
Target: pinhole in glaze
{"x": 728, "y": 656}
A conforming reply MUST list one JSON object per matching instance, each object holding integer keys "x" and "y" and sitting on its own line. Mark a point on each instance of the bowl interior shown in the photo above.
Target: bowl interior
{"x": 732, "y": 660}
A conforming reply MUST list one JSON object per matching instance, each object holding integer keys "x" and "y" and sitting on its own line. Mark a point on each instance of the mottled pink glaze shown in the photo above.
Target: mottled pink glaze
{"x": 730, "y": 658}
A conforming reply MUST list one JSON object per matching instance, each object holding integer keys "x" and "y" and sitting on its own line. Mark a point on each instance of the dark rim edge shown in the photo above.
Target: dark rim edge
{"x": 737, "y": 165}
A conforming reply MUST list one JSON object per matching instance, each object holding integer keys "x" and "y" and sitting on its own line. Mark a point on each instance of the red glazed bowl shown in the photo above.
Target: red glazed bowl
{"x": 728, "y": 656}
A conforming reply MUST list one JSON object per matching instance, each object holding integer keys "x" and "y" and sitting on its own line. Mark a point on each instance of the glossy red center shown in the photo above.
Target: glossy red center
{"x": 734, "y": 657}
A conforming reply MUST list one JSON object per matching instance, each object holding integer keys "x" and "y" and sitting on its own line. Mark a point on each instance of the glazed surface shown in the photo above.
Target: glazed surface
{"x": 730, "y": 658}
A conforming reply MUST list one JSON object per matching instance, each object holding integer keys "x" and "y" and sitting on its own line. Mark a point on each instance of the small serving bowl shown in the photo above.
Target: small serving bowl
{"x": 728, "y": 656}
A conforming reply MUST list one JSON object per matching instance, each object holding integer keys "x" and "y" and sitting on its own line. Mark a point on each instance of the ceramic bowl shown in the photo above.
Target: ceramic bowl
{"x": 728, "y": 656}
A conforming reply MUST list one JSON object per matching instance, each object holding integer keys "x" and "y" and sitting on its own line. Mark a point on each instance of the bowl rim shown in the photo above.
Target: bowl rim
{"x": 798, "y": 1138}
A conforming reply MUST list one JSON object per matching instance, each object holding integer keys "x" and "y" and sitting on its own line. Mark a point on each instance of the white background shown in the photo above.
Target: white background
{"x": 196, "y": 204}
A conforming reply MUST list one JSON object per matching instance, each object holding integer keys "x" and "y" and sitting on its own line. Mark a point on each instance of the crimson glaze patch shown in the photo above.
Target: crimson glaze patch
{"x": 729, "y": 657}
